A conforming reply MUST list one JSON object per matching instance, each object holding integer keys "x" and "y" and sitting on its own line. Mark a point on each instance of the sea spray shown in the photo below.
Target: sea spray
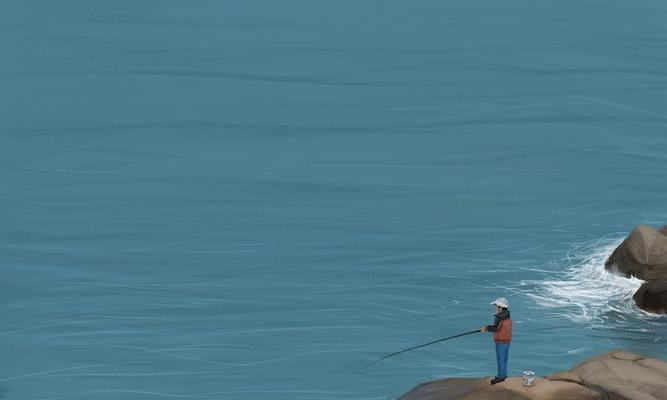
{"x": 585, "y": 291}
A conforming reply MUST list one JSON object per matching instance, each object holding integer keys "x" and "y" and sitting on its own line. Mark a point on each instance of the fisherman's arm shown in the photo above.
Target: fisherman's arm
{"x": 491, "y": 328}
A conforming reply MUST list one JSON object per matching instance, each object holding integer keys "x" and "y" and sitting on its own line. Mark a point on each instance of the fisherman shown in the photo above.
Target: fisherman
{"x": 502, "y": 335}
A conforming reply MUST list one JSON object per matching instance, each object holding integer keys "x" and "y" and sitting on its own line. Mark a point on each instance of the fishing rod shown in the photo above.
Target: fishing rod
{"x": 459, "y": 335}
{"x": 421, "y": 345}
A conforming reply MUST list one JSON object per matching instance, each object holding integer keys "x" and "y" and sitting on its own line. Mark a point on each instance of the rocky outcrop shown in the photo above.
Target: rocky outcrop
{"x": 623, "y": 375}
{"x": 652, "y": 296}
{"x": 511, "y": 389}
{"x": 643, "y": 254}
{"x": 617, "y": 375}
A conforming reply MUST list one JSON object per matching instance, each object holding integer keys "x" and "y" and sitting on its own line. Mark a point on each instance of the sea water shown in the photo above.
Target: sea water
{"x": 252, "y": 200}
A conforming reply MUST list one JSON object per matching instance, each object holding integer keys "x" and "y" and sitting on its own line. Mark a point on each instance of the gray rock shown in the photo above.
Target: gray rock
{"x": 643, "y": 254}
{"x": 652, "y": 296}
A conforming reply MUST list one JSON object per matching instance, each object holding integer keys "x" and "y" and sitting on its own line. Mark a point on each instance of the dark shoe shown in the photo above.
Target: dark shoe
{"x": 496, "y": 380}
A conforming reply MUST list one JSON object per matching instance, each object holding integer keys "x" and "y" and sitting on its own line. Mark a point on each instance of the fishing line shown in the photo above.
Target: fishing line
{"x": 421, "y": 345}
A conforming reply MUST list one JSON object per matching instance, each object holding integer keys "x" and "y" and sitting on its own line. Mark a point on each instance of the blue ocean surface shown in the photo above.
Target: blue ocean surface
{"x": 253, "y": 199}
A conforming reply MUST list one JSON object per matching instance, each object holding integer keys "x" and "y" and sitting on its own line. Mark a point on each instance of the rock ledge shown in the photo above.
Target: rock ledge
{"x": 616, "y": 375}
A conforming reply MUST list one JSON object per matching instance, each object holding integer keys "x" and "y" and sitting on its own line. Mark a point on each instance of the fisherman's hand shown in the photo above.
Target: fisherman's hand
{"x": 483, "y": 329}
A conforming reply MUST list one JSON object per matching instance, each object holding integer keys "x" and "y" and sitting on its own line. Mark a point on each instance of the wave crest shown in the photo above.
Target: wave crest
{"x": 586, "y": 291}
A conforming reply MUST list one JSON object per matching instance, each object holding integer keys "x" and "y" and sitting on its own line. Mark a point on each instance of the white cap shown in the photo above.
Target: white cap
{"x": 501, "y": 302}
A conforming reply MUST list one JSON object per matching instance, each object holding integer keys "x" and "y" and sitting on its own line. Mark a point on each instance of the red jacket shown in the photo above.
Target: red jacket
{"x": 502, "y": 327}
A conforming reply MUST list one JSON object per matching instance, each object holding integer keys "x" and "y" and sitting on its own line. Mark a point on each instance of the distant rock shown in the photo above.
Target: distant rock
{"x": 652, "y": 296}
{"x": 643, "y": 254}
{"x": 616, "y": 375}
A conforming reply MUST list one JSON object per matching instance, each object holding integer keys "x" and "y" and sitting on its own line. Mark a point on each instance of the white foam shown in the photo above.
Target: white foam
{"x": 585, "y": 291}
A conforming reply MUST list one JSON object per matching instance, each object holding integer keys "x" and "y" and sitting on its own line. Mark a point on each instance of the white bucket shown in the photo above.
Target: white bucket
{"x": 528, "y": 378}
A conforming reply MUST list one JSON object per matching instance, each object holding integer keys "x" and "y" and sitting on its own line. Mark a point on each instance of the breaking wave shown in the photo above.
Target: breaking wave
{"x": 585, "y": 291}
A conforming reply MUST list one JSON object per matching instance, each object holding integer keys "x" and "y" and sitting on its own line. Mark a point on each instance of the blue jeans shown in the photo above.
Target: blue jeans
{"x": 502, "y": 352}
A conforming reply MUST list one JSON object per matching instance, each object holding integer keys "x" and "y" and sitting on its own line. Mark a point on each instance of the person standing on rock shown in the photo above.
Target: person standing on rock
{"x": 502, "y": 335}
